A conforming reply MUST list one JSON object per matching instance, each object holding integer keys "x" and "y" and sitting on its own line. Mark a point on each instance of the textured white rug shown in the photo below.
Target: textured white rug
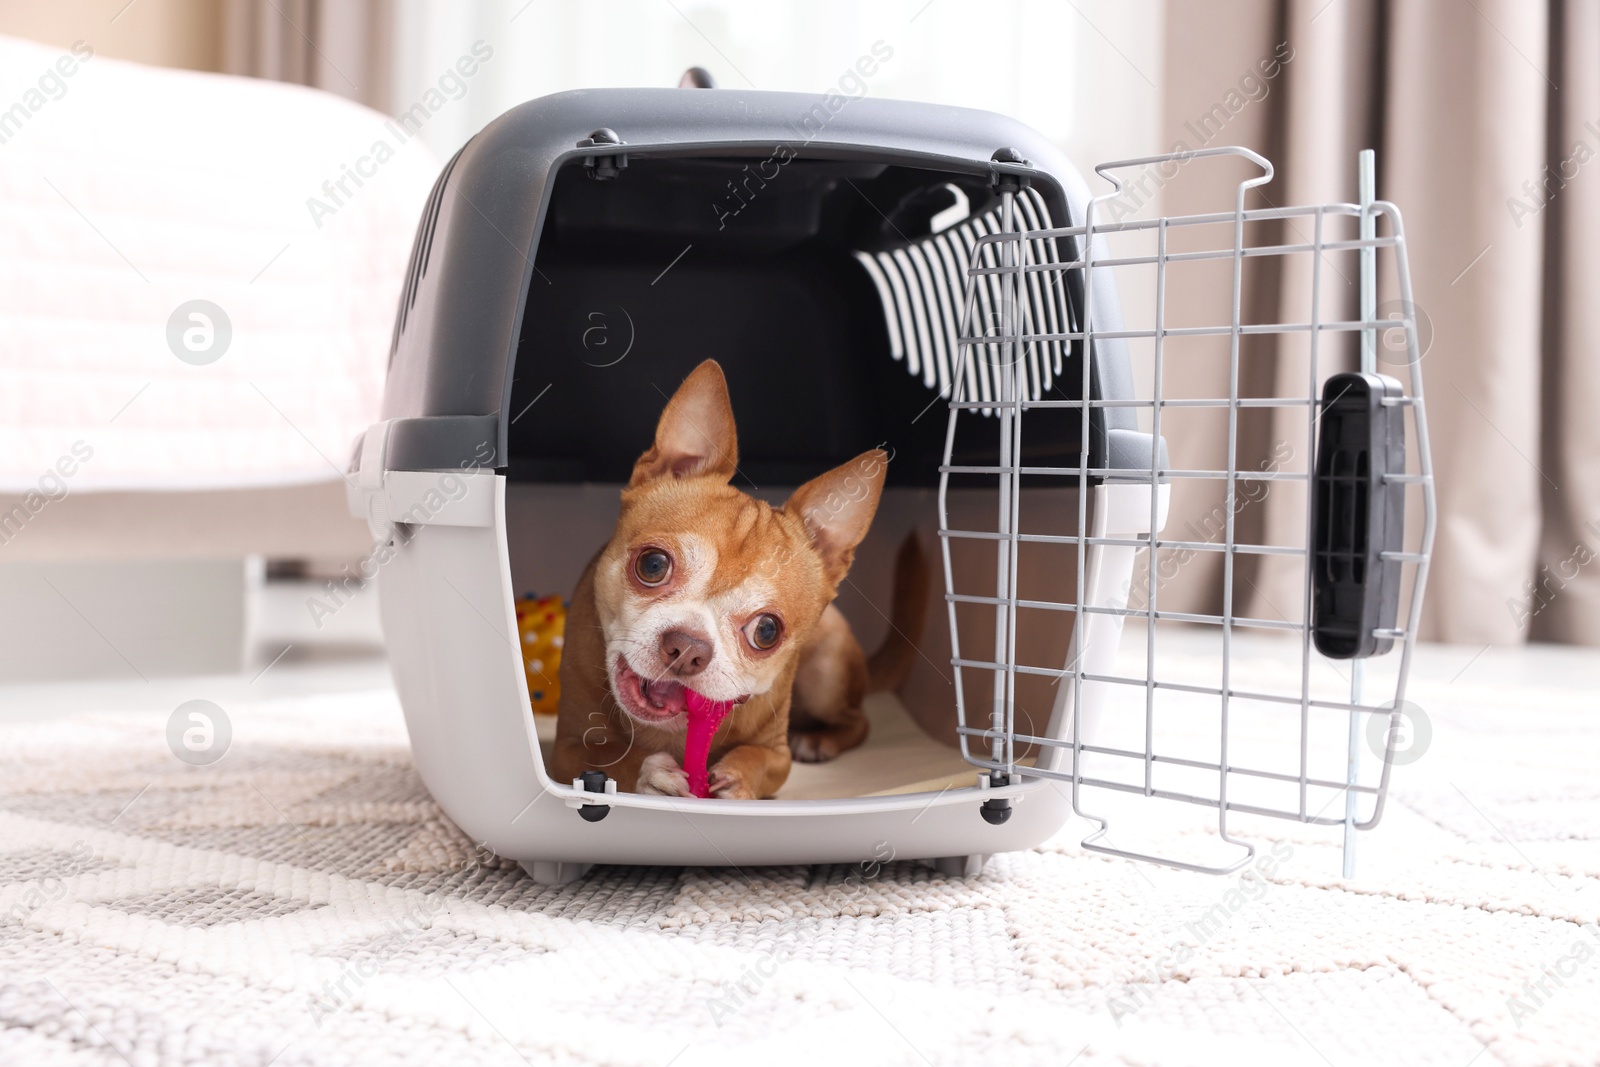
{"x": 302, "y": 901}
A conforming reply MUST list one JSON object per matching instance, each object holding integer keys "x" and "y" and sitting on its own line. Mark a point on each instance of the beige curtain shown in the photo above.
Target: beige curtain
{"x": 343, "y": 46}
{"x": 1569, "y": 448}
{"x": 1467, "y": 105}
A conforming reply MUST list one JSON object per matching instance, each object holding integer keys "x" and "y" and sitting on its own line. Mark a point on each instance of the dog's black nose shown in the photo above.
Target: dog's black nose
{"x": 684, "y": 654}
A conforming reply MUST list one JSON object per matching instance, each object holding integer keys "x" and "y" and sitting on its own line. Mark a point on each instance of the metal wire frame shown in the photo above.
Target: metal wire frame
{"x": 1007, "y": 254}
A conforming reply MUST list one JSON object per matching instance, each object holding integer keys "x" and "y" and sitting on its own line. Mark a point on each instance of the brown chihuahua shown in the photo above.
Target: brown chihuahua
{"x": 707, "y": 587}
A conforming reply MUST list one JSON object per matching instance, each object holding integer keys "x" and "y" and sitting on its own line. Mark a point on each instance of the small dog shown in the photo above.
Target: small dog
{"x": 707, "y": 587}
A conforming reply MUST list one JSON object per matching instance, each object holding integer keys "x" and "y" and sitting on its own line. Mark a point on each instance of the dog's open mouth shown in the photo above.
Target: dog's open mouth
{"x": 653, "y": 701}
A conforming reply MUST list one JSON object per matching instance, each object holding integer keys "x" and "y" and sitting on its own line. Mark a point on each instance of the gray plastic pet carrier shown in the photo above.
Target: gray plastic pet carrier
{"x": 852, "y": 269}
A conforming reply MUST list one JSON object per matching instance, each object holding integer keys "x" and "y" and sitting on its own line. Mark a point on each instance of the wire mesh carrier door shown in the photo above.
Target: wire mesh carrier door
{"x": 1259, "y": 699}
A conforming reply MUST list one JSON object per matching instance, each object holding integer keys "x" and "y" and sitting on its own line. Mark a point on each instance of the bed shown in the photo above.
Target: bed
{"x": 195, "y": 315}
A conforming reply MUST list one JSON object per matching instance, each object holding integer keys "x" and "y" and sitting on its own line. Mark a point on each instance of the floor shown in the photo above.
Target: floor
{"x": 290, "y": 657}
{"x": 304, "y": 902}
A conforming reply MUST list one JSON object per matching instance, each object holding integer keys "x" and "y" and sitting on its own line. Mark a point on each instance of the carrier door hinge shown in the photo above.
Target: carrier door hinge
{"x": 1006, "y": 171}
{"x": 592, "y": 782}
{"x": 604, "y": 167}
{"x": 996, "y": 810}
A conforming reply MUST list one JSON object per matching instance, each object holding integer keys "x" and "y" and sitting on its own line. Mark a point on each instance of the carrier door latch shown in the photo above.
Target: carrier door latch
{"x": 364, "y": 483}
{"x": 462, "y": 495}
{"x": 1358, "y": 516}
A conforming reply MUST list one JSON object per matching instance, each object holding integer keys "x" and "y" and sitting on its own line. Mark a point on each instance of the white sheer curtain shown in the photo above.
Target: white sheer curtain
{"x": 1087, "y": 74}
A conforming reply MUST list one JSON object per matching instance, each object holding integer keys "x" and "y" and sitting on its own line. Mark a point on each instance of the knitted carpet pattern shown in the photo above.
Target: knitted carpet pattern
{"x": 304, "y": 901}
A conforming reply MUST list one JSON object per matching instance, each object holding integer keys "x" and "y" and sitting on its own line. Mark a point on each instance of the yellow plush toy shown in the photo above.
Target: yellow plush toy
{"x": 541, "y": 623}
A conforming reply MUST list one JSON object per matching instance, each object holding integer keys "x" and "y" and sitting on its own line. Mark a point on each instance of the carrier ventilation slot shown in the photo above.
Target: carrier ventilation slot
{"x": 421, "y": 247}
{"x": 922, "y": 285}
{"x": 1358, "y": 523}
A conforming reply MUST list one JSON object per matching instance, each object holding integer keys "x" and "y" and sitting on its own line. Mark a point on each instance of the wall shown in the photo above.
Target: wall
{"x": 167, "y": 33}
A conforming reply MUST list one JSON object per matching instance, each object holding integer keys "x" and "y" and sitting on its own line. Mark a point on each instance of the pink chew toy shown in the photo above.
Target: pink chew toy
{"x": 704, "y": 715}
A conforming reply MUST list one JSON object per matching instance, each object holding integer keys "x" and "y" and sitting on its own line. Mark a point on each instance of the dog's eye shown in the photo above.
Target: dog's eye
{"x": 653, "y": 566}
{"x": 763, "y": 632}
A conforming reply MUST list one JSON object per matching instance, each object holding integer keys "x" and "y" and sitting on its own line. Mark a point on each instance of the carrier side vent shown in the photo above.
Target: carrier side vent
{"x": 421, "y": 248}
{"x": 922, "y": 285}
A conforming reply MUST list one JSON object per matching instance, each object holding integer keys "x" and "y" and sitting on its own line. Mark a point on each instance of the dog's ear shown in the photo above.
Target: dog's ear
{"x": 696, "y": 434}
{"x": 837, "y": 508}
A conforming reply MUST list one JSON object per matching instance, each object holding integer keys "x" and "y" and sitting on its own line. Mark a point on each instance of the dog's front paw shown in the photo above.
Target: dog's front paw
{"x": 729, "y": 784}
{"x": 660, "y": 775}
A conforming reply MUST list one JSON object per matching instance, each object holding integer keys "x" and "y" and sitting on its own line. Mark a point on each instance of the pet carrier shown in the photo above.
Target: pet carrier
{"x": 854, "y": 263}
